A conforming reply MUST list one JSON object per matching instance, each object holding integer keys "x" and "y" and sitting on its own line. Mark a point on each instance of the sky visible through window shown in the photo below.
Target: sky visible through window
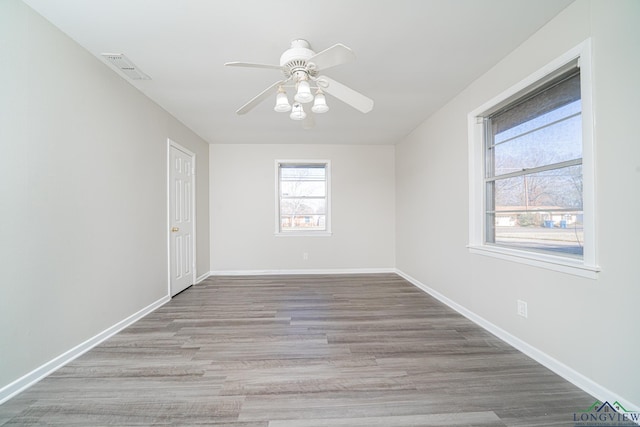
{"x": 550, "y": 138}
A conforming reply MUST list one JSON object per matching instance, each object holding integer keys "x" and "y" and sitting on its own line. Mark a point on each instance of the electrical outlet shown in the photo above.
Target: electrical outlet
{"x": 305, "y": 256}
{"x": 522, "y": 308}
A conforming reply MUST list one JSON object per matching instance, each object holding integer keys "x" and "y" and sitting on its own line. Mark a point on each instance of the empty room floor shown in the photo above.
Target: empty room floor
{"x": 301, "y": 351}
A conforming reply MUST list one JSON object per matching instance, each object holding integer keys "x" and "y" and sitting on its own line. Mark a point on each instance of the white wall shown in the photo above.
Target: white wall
{"x": 83, "y": 218}
{"x": 591, "y": 326}
{"x": 243, "y": 209}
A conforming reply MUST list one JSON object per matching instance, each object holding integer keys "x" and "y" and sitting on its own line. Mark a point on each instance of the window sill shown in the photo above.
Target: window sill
{"x": 549, "y": 262}
{"x": 303, "y": 234}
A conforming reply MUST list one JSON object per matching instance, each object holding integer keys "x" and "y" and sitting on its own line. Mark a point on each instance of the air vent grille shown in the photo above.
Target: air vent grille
{"x": 125, "y": 65}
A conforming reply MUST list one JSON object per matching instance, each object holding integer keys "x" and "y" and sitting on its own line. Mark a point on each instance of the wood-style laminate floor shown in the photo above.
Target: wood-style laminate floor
{"x": 301, "y": 351}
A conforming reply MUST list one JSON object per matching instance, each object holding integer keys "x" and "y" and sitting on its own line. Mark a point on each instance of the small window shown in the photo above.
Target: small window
{"x": 531, "y": 170}
{"x": 303, "y": 198}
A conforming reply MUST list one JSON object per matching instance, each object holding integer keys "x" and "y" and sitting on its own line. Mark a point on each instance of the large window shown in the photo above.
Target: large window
{"x": 532, "y": 169}
{"x": 303, "y": 197}
{"x": 533, "y": 173}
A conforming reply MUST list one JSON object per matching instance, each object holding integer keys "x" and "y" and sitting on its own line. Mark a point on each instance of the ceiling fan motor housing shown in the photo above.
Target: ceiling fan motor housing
{"x": 294, "y": 59}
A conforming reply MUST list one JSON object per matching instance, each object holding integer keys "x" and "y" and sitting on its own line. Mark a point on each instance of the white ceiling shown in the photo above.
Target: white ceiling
{"x": 412, "y": 56}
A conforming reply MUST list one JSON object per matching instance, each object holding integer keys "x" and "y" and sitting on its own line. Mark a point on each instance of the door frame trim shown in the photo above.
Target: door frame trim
{"x": 170, "y": 144}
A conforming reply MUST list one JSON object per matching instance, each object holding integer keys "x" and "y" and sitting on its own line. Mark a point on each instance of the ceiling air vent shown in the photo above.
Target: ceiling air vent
{"x": 125, "y": 65}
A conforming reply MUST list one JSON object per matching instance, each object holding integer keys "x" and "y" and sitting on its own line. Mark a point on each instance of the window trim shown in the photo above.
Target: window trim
{"x": 585, "y": 267}
{"x": 308, "y": 233}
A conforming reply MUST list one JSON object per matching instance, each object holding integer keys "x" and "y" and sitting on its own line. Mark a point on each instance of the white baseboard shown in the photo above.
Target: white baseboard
{"x": 574, "y": 377}
{"x": 203, "y": 277}
{"x": 301, "y": 271}
{"x": 26, "y": 381}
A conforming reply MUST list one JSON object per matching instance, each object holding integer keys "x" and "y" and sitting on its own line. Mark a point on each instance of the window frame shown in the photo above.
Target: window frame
{"x": 297, "y": 233}
{"x": 587, "y": 266}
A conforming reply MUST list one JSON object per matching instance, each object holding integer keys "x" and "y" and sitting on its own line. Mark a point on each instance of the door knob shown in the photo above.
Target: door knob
{"x": 174, "y": 229}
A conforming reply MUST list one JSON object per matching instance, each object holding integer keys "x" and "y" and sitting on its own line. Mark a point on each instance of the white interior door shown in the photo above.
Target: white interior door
{"x": 181, "y": 218}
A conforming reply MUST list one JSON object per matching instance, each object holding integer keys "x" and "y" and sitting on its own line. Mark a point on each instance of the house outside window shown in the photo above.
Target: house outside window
{"x": 303, "y": 198}
{"x": 531, "y": 170}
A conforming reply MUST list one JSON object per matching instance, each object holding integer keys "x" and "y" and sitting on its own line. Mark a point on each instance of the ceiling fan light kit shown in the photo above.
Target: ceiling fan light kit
{"x": 297, "y": 112}
{"x": 303, "y": 94}
{"x": 320, "y": 103}
{"x": 282, "y": 102}
{"x": 301, "y": 67}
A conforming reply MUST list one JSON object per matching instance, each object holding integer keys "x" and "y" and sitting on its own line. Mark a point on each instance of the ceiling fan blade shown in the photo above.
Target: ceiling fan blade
{"x": 345, "y": 94}
{"x": 309, "y": 122}
{"x": 330, "y": 57}
{"x": 252, "y": 65}
{"x": 258, "y": 99}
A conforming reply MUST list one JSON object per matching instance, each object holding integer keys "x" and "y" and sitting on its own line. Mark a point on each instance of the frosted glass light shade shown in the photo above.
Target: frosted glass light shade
{"x": 304, "y": 94}
{"x": 282, "y": 103}
{"x": 320, "y": 104}
{"x": 297, "y": 113}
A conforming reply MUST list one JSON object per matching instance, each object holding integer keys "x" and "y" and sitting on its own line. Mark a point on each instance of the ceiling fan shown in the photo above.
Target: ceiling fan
{"x": 301, "y": 69}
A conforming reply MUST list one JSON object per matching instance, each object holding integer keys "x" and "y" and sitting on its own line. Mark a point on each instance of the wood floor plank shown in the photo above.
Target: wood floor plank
{"x": 475, "y": 419}
{"x": 296, "y": 350}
